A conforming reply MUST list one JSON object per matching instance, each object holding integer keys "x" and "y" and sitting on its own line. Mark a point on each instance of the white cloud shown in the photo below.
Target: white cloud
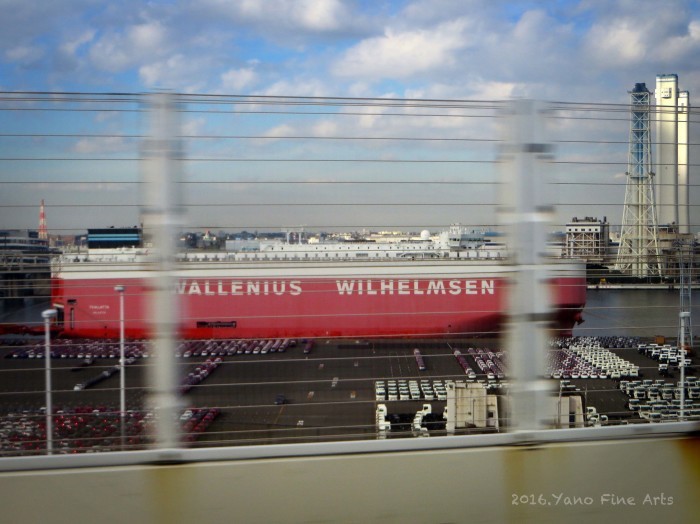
{"x": 112, "y": 144}
{"x": 116, "y": 52}
{"x": 492, "y": 90}
{"x": 359, "y": 89}
{"x": 299, "y": 87}
{"x": 281, "y": 130}
{"x": 326, "y": 128}
{"x": 238, "y": 79}
{"x": 146, "y": 36}
{"x": 476, "y": 88}
{"x": 641, "y": 33}
{"x": 694, "y": 29}
{"x": 175, "y": 72}
{"x": 619, "y": 42}
{"x": 406, "y": 53}
{"x": 680, "y": 46}
{"x": 71, "y": 46}
{"x": 323, "y": 16}
{"x": 24, "y": 53}
{"x": 193, "y": 126}
{"x": 155, "y": 74}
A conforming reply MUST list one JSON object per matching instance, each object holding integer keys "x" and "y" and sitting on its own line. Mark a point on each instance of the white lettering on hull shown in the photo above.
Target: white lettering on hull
{"x": 97, "y": 310}
{"x": 343, "y": 287}
{"x": 415, "y": 287}
{"x": 238, "y": 287}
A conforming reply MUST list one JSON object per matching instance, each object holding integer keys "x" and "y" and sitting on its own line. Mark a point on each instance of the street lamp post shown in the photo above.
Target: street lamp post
{"x": 122, "y": 381}
{"x": 47, "y": 315}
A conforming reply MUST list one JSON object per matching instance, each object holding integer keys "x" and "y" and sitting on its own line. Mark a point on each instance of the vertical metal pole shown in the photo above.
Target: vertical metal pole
{"x": 559, "y": 406}
{"x": 684, "y": 318}
{"x": 473, "y": 411}
{"x": 162, "y": 217}
{"x": 450, "y": 425}
{"x": 526, "y": 212}
{"x": 48, "y": 314}
{"x": 122, "y": 369}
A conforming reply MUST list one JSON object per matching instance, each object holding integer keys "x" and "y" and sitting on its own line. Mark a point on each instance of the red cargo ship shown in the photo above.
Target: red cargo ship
{"x": 422, "y": 289}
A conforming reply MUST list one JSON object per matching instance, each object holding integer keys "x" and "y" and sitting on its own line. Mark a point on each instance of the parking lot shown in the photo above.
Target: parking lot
{"x": 324, "y": 391}
{"x": 329, "y": 390}
{"x": 609, "y": 399}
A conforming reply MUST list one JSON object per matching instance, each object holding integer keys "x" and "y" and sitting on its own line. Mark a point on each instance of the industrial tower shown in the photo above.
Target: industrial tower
{"x": 671, "y": 155}
{"x": 43, "y": 229}
{"x": 638, "y": 254}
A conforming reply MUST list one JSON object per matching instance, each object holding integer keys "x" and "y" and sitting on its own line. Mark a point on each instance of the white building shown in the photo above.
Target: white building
{"x": 587, "y": 238}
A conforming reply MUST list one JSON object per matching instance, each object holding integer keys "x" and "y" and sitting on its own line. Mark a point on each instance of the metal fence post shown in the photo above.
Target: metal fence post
{"x": 526, "y": 213}
{"x": 162, "y": 213}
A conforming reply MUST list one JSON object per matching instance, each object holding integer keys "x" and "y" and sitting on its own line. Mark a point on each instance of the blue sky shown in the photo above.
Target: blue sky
{"x": 573, "y": 51}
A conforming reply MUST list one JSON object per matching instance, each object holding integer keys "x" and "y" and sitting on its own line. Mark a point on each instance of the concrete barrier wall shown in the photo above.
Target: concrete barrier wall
{"x": 636, "y": 480}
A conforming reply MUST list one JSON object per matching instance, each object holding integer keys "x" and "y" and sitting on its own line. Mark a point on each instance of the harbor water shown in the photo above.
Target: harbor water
{"x": 635, "y": 312}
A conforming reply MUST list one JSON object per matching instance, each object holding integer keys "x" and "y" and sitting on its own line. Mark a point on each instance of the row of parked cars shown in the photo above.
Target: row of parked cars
{"x": 82, "y": 349}
{"x": 668, "y": 356}
{"x": 90, "y": 428}
{"x": 490, "y": 363}
{"x": 404, "y": 389}
{"x": 85, "y": 428}
{"x": 228, "y": 348}
{"x": 196, "y": 421}
{"x": 103, "y": 375}
{"x": 91, "y": 349}
{"x": 471, "y": 374}
{"x": 612, "y": 341}
{"x": 606, "y": 362}
{"x": 202, "y": 371}
{"x": 586, "y": 362}
{"x": 658, "y": 400}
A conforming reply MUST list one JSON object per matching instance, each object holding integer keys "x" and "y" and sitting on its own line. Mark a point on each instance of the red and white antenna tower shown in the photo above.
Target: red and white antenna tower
{"x": 43, "y": 230}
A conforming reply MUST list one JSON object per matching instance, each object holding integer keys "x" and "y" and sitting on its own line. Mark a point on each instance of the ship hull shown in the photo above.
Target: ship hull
{"x": 298, "y": 300}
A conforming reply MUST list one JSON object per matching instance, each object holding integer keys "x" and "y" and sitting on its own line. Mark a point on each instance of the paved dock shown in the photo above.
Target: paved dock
{"x": 328, "y": 393}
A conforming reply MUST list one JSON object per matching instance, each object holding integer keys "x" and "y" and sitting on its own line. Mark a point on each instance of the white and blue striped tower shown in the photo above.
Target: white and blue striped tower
{"x": 638, "y": 254}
